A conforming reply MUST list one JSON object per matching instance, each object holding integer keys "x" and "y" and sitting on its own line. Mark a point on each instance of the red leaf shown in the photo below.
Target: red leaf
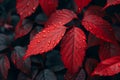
{"x": 60, "y": 18}
{"x": 90, "y": 64}
{"x": 111, "y": 2}
{"x": 73, "y": 57}
{"x": 99, "y": 27}
{"x": 81, "y": 4}
{"x": 108, "y": 50}
{"x": 23, "y": 28}
{"x": 45, "y": 40}
{"x": 95, "y": 10}
{"x": 16, "y": 57}
{"x": 4, "y": 65}
{"x": 108, "y": 67}
{"x": 26, "y": 7}
{"x": 93, "y": 41}
{"x": 48, "y": 6}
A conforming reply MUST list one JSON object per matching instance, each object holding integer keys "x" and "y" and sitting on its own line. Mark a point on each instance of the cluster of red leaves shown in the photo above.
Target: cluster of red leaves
{"x": 73, "y": 39}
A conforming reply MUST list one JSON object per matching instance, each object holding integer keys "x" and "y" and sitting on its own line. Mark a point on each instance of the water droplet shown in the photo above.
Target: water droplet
{"x": 28, "y": 4}
{"x": 44, "y": 36}
{"x": 34, "y": 8}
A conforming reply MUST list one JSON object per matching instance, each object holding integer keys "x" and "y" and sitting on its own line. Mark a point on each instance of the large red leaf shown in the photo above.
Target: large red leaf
{"x": 95, "y": 10}
{"x": 81, "y": 4}
{"x": 45, "y": 40}
{"x": 4, "y": 65}
{"x": 23, "y": 28}
{"x": 111, "y": 2}
{"x": 48, "y": 6}
{"x": 26, "y": 7}
{"x": 108, "y": 50}
{"x": 108, "y": 67}
{"x": 99, "y": 27}
{"x": 73, "y": 49}
{"x": 60, "y": 18}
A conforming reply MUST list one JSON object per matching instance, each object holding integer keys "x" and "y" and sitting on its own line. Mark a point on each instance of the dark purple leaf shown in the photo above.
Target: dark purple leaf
{"x": 46, "y": 75}
{"x": 16, "y": 57}
{"x": 4, "y": 65}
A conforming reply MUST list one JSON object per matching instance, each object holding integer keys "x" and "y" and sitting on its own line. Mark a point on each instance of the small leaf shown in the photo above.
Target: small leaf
{"x": 24, "y": 66}
{"x": 23, "y": 76}
{"x": 69, "y": 76}
{"x": 48, "y": 6}
{"x": 93, "y": 40}
{"x": 23, "y": 28}
{"x": 81, "y": 4}
{"x": 60, "y": 18}
{"x": 117, "y": 33}
{"x": 36, "y": 30}
{"x": 4, "y": 65}
{"x": 108, "y": 67}
{"x": 99, "y": 27}
{"x": 73, "y": 57}
{"x": 41, "y": 18}
{"x": 45, "y": 40}
{"x": 90, "y": 65}
{"x": 53, "y": 61}
{"x": 81, "y": 75}
{"x": 108, "y": 50}
{"x": 111, "y": 2}
{"x": 26, "y": 7}
{"x": 4, "y": 41}
{"x": 95, "y": 10}
{"x": 46, "y": 75}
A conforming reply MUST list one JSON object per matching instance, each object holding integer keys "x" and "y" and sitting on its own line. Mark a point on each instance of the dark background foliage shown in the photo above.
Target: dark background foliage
{"x": 8, "y": 21}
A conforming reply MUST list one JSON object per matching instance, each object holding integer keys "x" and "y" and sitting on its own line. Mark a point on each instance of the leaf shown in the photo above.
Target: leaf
{"x": 117, "y": 33}
{"x": 93, "y": 41}
{"x": 45, "y": 40}
{"x": 81, "y": 4}
{"x": 111, "y": 2}
{"x": 36, "y": 30}
{"x": 53, "y": 61}
{"x": 73, "y": 57}
{"x": 60, "y": 18}
{"x": 4, "y": 41}
{"x": 23, "y": 28}
{"x": 108, "y": 50}
{"x": 69, "y": 76}
{"x": 23, "y": 76}
{"x": 46, "y": 75}
{"x": 4, "y": 65}
{"x": 48, "y": 6}
{"x": 108, "y": 67}
{"x": 95, "y": 10}
{"x": 99, "y": 27}
{"x": 81, "y": 75}
{"x": 90, "y": 65}
{"x": 41, "y": 18}
{"x": 16, "y": 57}
{"x": 26, "y": 7}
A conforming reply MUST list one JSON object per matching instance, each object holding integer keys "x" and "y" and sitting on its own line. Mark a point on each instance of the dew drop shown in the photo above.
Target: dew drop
{"x": 33, "y": 8}
{"x": 44, "y": 36}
